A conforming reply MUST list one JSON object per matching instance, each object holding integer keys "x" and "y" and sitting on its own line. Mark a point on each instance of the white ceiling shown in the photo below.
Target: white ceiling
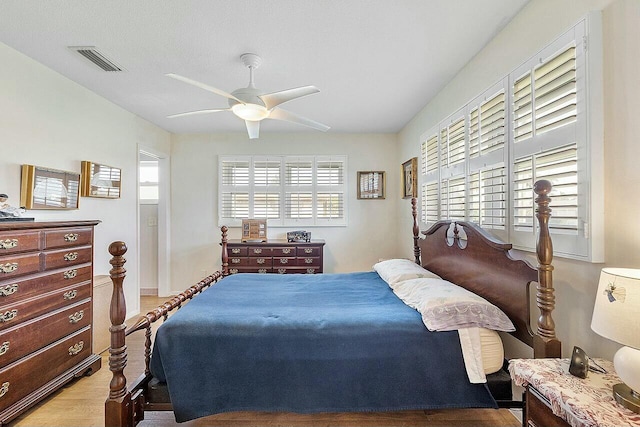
{"x": 376, "y": 62}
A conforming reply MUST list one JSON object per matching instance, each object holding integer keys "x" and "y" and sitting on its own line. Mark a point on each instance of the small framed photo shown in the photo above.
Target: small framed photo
{"x": 254, "y": 230}
{"x": 44, "y": 188}
{"x": 100, "y": 181}
{"x": 410, "y": 178}
{"x": 371, "y": 185}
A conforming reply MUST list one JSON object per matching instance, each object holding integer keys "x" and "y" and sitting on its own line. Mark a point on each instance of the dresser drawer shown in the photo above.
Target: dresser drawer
{"x": 309, "y": 251}
{"x": 19, "y": 241}
{"x": 18, "y": 290}
{"x": 284, "y": 261}
{"x": 19, "y": 379}
{"x": 18, "y": 265}
{"x": 297, "y": 270}
{"x": 262, "y": 270}
{"x": 284, "y": 252}
{"x": 238, "y": 261}
{"x": 235, "y": 252}
{"x": 308, "y": 262}
{"x": 22, "y": 339}
{"x": 259, "y": 251}
{"x": 67, "y": 237}
{"x": 260, "y": 262}
{"x": 17, "y": 312}
{"x": 67, "y": 257}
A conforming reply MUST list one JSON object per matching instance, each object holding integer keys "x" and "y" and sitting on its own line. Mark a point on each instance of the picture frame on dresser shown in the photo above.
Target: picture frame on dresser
{"x": 46, "y": 188}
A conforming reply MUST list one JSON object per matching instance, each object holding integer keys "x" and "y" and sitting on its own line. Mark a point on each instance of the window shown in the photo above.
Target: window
{"x": 536, "y": 123}
{"x": 149, "y": 179}
{"x": 286, "y": 190}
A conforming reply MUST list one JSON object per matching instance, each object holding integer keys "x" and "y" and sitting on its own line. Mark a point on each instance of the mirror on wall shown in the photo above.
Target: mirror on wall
{"x": 45, "y": 188}
{"x": 100, "y": 180}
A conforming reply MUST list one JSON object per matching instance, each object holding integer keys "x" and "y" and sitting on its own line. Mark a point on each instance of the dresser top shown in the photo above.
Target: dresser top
{"x": 27, "y": 225}
{"x": 274, "y": 242}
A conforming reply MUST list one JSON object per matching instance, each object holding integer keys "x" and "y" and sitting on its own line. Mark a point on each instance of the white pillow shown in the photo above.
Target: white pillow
{"x": 394, "y": 271}
{"x": 447, "y": 307}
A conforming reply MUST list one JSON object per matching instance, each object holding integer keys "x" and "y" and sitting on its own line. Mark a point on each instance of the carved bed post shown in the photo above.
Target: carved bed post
{"x": 545, "y": 343}
{"x": 416, "y": 229}
{"x": 225, "y": 253}
{"x": 118, "y": 407}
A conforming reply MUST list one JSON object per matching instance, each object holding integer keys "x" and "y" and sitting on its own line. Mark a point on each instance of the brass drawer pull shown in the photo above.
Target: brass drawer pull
{"x": 71, "y": 256}
{"x": 260, "y": 260}
{"x": 71, "y": 237}
{"x": 308, "y": 250}
{"x": 76, "y": 348}
{"x": 4, "y": 347}
{"x": 257, "y": 250}
{"x": 235, "y": 260}
{"x": 311, "y": 270}
{"x": 235, "y": 250}
{"x": 286, "y": 250}
{"x": 7, "y": 290}
{"x": 282, "y": 270}
{"x": 308, "y": 260}
{"x": 262, "y": 270}
{"x": 9, "y": 267}
{"x": 8, "y": 243}
{"x": 76, "y": 317}
{"x": 233, "y": 270}
{"x": 4, "y": 389}
{"x": 284, "y": 260}
{"x": 69, "y": 295}
{"x": 70, "y": 274}
{"x": 8, "y": 315}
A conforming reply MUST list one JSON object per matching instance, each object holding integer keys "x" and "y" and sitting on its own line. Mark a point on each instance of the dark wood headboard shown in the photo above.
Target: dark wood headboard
{"x": 463, "y": 253}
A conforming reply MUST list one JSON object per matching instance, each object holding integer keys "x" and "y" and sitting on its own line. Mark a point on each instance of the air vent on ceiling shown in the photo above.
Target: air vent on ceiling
{"x": 93, "y": 55}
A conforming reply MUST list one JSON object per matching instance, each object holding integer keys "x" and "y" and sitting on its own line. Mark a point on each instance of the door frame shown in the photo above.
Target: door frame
{"x": 164, "y": 216}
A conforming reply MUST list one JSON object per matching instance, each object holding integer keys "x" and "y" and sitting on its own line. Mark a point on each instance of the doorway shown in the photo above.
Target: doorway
{"x": 153, "y": 222}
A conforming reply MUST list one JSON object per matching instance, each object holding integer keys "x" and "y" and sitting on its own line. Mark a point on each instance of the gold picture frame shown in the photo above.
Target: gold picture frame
{"x": 254, "y": 230}
{"x": 100, "y": 180}
{"x": 372, "y": 185}
{"x": 410, "y": 178}
{"x": 45, "y": 188}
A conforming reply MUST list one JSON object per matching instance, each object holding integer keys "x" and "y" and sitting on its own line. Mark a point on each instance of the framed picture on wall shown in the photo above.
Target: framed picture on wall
{"x": 410, "y": 178}
{"x": 44, "y": 188}
{"x": 371, "y": 185}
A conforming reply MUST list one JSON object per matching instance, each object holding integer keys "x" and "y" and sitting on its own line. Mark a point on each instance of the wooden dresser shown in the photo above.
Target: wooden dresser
{"x": 275, "y": 256}
{"x": 46, "y": 285}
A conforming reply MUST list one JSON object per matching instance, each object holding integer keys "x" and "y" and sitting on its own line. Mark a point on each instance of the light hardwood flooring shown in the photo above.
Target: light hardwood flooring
{"x": 81, "y": 404}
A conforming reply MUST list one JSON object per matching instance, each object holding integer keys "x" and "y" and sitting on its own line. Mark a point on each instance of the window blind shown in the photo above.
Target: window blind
{"x": 487, "y": 126}
{"x": 430, "y": 202}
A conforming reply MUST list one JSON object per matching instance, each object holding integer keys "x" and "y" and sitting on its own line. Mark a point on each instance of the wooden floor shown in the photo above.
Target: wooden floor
{"x": 81, "y": 404}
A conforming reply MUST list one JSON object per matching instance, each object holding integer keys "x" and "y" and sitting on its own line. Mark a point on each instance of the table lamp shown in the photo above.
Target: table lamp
{"x": 616, "y": 316}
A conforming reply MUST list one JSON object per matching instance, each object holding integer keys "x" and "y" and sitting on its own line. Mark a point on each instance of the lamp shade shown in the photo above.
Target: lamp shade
{"x": 616, "y": 312}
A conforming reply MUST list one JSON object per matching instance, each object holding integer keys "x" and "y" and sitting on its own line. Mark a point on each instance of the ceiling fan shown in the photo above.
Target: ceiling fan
{"x": 252, "y": 105}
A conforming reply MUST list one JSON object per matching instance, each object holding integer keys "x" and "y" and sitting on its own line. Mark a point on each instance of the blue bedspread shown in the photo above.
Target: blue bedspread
{"x": 308, "y": 343}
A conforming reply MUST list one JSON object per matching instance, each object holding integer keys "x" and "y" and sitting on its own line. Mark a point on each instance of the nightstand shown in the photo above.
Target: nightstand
{"x": 555, "y": 398}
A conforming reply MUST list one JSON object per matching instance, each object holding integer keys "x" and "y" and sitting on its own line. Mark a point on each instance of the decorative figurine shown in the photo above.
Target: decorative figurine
{"x": 8, "y": 211}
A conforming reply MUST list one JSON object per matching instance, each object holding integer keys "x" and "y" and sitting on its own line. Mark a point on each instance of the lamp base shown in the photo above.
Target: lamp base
{"x": 628, "y": 398}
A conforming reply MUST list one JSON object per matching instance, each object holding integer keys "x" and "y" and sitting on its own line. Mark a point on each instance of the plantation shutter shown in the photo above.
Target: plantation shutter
{"x": 330, "y": 189}
{"x": 234, "y": 194}
{"x": 299, "y": 189}
{"x": 266, "y": 181}
{"x": 430, "y": 202}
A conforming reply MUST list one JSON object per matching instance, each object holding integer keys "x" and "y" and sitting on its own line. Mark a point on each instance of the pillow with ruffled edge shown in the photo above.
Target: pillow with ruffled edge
{"x": 394, "y": 271}
{"x": 445, "y": 306}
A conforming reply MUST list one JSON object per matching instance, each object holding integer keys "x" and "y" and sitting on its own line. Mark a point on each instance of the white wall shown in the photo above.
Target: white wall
{"x": 535, "y": 26}
{"x": 148, "y": 249}
{"x": 194, "y": 194}
{"x": 50, "y": 121}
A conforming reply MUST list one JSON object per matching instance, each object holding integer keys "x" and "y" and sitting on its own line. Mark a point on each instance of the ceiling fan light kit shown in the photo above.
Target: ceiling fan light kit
{"x": 252, "y": 105}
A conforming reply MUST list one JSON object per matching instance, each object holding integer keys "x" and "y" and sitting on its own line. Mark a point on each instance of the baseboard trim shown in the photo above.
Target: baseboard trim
{"x": 149, "y": 292}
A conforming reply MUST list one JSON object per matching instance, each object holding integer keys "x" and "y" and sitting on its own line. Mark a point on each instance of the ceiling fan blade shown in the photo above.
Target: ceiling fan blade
{"x": 276, "y": 98}
{"x": 203, "y": 86}
{"x": 193, "y": 113}
{"x": 288, "y": 116}
{"x": 253, "y": 129}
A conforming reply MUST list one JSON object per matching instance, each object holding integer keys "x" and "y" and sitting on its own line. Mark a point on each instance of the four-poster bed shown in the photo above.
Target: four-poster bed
{"x": 459, "y": 252}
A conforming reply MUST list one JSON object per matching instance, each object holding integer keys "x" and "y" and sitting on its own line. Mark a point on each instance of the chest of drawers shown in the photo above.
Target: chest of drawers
{"x": 46, "y": 274}
{"x": 276, "y": 256}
